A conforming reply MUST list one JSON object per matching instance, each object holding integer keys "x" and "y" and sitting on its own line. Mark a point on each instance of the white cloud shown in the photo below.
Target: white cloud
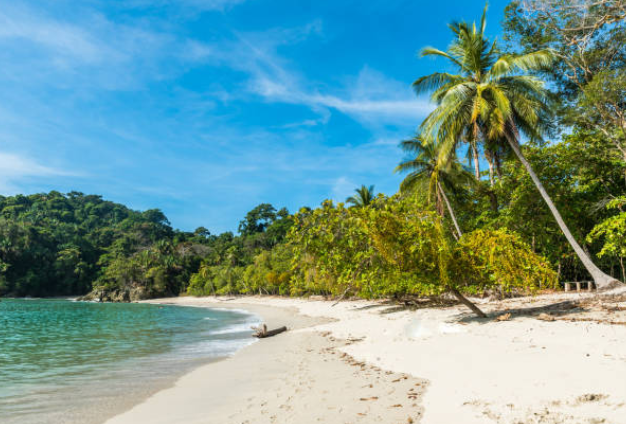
{"x": 342, "y": 188}
{"x": 372, "y": 94}
{"x": 370, "y": 97}
{"x": 361, "y": 104}
{"x": 384, "y": 110}
{"x": 86, "y": 49}
{"x": 124, "y": 56}
{"x": 64, "y": 39}
{"x": 15, "y": 168}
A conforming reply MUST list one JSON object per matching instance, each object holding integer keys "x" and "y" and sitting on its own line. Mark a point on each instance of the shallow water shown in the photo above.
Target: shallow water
{"x": 76, "y": 362}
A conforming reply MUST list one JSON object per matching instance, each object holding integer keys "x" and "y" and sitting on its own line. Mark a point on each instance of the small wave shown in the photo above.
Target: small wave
{"x": 238, "y": 327}
{"x": 234, "y": 329}
{"x": 215, "y": 348}
{"x": 236, "y": 310}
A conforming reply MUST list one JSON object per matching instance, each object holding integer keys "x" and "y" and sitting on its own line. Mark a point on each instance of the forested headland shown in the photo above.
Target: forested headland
{"x": 514, "y": 183}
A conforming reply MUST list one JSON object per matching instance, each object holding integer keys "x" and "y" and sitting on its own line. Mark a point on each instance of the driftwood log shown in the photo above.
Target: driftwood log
{"x": 262, "y": 331}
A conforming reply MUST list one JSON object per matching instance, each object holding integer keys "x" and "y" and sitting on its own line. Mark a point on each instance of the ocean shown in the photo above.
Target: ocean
{"x": 67, "y": 362}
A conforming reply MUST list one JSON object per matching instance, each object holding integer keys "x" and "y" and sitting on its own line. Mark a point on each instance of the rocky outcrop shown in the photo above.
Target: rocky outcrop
{"x": 130, "y": 294}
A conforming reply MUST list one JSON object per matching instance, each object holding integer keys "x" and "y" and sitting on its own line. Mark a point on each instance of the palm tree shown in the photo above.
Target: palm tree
{"x": 492, "y": 99}
{"x": 364, "y": 196}
{"x": 206, "y": 274}
{"x": 426, "y": 174}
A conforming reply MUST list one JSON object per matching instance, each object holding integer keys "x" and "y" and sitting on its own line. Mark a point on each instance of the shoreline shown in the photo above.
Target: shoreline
{"x": 169, "y": 382}
{"x": 567, "y": 369}
{"x": 282, "y": 379}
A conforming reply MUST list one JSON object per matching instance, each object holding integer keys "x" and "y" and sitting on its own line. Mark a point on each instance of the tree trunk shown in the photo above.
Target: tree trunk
{"x": 467, "y": 303}
{"x": 491, "y": 193}
{"x": 476, "y": 164}
{"x": 439, "y": 204}
{"x": 452, "y": 216}
{"x": 493, "y": 199}
{"x": 601, "y": 279}
{"x": 498, "y": 165}
{"x": 490, "y": 161}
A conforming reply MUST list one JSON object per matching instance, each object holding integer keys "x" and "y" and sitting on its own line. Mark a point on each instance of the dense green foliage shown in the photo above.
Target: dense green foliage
{"x": 588, "y": 81}
{"x": 395, "y": 247}
{"x": 55, "y": 244}
{"x": 450, "y": 228}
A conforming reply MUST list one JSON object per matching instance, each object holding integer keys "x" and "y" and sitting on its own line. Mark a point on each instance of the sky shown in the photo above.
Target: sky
{"x": 206, "y": 108}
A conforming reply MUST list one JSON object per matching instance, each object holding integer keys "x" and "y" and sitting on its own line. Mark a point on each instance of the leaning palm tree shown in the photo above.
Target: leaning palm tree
{"x": 426, "y": 174}
{"x": 363, "y": 197}
{"x": 492, "y": 99}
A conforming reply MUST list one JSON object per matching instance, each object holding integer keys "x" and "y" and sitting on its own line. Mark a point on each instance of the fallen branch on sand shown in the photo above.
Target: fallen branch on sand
{"x": 262, "y": 332}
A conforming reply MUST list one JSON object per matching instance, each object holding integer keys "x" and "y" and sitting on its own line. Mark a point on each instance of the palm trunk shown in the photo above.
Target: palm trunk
{"x": 492, "y": 195}
{"x": 601, "y": 279}
{"x": 492, "y": 180}
{"x": 476, "y": 164}
{"x": 493, "y": 199}
{"x": 467, "y": 303}
{"x": 440, "y": 210}
{"x": 450, "y": 210}
{"x": 496, "y": 158}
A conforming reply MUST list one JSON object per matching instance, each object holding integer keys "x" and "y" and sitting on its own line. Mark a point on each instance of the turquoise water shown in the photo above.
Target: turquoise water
{"x": 76, "y": 362}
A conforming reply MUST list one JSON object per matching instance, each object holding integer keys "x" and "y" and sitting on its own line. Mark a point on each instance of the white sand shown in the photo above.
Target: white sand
{"x": 520, "y": 371}
{"x": 296, "y": 377}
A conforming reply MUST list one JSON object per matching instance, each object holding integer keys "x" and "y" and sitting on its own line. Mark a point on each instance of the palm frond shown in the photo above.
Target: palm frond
{"x": 534, "y": 61}
{"x": 483, "y": 19}
{"x": 435, "y": 81}
{"x": 431, "y": 51}
{"x": 491, "y": 100}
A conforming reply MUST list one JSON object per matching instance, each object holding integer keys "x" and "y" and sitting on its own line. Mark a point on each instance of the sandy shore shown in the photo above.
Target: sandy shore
{"x": 553, "y": 361}
{"x": 297, "y": 377}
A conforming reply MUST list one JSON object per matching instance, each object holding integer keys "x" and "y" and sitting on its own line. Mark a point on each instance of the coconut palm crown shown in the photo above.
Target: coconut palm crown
{"x": 363, "y": 197}
{"x": 426, "y": 175}
{"x": 490, "y": 97}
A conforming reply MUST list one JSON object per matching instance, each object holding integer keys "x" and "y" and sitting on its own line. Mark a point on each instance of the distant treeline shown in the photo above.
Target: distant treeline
{"x": 67, "y": 244}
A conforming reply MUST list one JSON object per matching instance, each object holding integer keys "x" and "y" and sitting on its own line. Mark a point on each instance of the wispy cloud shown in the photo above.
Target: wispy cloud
{"x": 87, "y": 49}
{"x": 14, "y": 168}
{"x": 111, "y": 55}
{"x": 62, "y": 39}
{"x": 342, "y": 188}
{"x": 369, "y": 97}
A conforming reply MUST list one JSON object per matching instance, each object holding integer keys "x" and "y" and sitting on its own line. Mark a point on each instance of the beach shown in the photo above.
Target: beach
{"x": 552, "y": 360}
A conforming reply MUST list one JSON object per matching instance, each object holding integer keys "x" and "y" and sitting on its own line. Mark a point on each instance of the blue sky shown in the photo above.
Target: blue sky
{"x": 206, "y": 108}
